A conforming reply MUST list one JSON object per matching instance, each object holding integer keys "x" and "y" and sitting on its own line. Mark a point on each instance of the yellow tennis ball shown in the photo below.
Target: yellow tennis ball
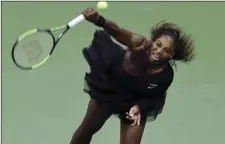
{"x": 102, "y": 5}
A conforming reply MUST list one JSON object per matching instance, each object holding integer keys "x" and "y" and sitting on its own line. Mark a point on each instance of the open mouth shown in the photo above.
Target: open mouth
{"x": 155, "y": 56}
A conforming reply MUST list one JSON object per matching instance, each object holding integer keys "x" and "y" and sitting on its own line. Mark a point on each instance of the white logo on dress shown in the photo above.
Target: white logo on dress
{"x": 151, "y": 86}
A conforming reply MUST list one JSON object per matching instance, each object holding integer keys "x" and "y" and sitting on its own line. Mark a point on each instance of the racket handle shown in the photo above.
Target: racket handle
{"x": 76, "y": 20}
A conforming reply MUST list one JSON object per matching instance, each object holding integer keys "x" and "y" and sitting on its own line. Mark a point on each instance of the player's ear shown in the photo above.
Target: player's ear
{"x": 172, "y": 55}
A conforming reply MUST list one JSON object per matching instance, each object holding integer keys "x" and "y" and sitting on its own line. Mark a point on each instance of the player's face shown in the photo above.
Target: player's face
{"x": 162, "y": 49}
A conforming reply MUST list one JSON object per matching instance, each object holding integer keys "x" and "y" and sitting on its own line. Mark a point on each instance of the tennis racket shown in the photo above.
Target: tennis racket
{"x": 34, "y": 47}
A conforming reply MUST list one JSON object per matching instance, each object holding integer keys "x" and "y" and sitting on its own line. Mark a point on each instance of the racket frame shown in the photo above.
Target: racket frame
{"x": 70, "y": 25}
{"x": 30, "y": 32}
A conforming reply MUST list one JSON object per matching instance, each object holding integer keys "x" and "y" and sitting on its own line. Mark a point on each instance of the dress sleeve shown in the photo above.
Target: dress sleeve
{"x": 152, "y": 102}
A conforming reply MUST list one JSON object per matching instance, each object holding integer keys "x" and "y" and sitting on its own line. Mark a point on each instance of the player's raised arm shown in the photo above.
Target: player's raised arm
{"x": 125, "y": 37}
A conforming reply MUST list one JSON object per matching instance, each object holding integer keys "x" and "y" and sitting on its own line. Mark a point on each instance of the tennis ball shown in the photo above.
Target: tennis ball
{"x": 102, "y": 5}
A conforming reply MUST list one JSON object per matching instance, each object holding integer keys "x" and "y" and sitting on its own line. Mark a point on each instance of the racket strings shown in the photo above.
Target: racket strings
{"x": 32, "y": 50}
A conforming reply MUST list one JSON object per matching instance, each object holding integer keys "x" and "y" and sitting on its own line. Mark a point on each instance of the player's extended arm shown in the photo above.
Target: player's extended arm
{"x": 125, "y": 37}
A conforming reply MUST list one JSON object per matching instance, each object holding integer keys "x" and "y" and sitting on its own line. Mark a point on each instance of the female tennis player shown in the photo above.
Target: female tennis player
{"x": 132, "y": 82}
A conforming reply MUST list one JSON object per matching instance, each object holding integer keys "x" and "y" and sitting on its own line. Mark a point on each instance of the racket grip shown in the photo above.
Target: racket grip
{"x": 76, "y": 21}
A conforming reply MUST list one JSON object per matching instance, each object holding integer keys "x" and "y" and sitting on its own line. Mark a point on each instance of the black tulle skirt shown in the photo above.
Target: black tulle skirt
{"x": 101, "y": 56}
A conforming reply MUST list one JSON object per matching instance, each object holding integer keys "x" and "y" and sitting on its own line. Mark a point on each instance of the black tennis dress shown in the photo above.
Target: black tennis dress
{"x": 110, "y": 85}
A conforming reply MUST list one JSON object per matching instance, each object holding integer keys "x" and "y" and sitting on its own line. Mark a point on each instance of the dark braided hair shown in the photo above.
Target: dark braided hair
{"x": 184, "y": 45}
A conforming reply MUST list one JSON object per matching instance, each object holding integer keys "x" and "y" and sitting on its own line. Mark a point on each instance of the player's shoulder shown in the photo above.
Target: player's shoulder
{"x": 139, "y": 42}
{"x": 138, "y": 39}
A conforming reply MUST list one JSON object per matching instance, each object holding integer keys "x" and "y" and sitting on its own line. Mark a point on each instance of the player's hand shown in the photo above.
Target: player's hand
{"x": 135, "y": 115}
{"x": 91, "y": 15}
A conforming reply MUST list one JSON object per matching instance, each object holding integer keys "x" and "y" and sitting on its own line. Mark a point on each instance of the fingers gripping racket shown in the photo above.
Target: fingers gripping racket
{"x": 33, "y": 48}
